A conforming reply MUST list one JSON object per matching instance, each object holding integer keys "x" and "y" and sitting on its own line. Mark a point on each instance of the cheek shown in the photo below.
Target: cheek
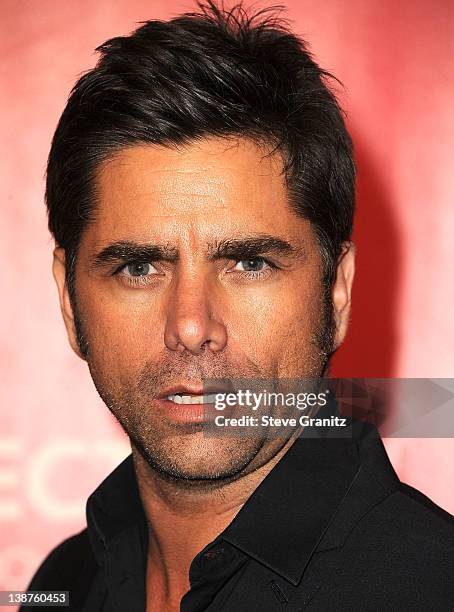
{"x": 121, "y": 338}
{"x": 278, "y": 321}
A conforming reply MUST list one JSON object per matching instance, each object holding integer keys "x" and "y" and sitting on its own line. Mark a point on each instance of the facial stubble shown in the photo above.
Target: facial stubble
{"x": 182, "y": 452}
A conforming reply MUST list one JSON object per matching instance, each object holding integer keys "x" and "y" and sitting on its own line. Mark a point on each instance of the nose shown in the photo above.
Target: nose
{"x": 191, "y": 323}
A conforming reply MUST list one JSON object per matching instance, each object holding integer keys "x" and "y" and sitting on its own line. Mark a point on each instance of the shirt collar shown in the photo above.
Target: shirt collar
{"x": 114, "y": 507}
{"x": 282, "y": 522}
{"x": 301, "y": 505}
{"x": 313, "y": 497}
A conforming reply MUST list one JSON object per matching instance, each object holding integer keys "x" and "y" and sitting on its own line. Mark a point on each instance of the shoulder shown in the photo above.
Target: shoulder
{"x": 397, "y": 515}
{"x": 406, "y": 536}
{"x": 65, "y": 565}
{"x": 418, "y": 500}
{"x": 408, "y": 520}
{"x": 399, "y": 555}
{"x": 414, "y": 512}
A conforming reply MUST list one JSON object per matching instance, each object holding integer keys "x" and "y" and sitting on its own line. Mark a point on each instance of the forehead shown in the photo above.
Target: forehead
{"x": 210, "y": 182}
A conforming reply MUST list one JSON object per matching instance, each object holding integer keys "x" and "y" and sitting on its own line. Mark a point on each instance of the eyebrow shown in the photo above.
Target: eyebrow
{"x": 232, "y": 248}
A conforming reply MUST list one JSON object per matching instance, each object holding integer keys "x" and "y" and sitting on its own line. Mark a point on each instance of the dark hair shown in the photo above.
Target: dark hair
{"x": 217, "y": 72}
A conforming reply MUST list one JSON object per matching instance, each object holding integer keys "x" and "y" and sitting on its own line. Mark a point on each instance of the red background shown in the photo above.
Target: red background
{"x": 57, "y": 440}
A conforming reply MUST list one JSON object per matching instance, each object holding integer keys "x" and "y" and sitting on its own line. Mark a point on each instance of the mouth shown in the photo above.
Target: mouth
{"x": 185, "y": 394}
{"x": 184, "y": 404}
{"x": 180, "y": 398}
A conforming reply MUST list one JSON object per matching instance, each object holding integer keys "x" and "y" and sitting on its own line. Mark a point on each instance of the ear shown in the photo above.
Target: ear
{"x": 342, "y": 291}
{"x": 59, "y": 272}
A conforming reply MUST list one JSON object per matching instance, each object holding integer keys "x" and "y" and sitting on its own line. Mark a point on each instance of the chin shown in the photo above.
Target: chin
{"x": 200, "y": 459}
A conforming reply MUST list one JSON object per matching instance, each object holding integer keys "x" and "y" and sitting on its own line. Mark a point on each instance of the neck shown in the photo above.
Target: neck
{"x": 183, "y": 519}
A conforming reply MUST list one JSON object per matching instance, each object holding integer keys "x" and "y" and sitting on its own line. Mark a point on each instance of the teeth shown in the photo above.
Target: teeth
{"x": 191, "y": 399}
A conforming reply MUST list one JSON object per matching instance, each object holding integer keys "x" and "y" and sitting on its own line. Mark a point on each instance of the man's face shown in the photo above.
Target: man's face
{"x": 196, "y": 267}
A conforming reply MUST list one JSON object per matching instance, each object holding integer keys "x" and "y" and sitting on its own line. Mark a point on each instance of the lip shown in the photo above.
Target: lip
{"x": 209, "y": 389}
{"x": 190, "y": 413}
{"x": 186, "y": 413}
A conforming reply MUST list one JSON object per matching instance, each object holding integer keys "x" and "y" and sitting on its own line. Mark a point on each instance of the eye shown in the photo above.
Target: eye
{"x": 137, "y": 274}
{"x": 254, "y": 268}
{"x": 255, "y": 264}
{"x": 138, "y": 268}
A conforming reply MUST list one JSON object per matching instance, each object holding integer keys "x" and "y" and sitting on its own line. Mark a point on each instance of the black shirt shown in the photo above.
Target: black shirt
{"x": 330, "y": 528}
